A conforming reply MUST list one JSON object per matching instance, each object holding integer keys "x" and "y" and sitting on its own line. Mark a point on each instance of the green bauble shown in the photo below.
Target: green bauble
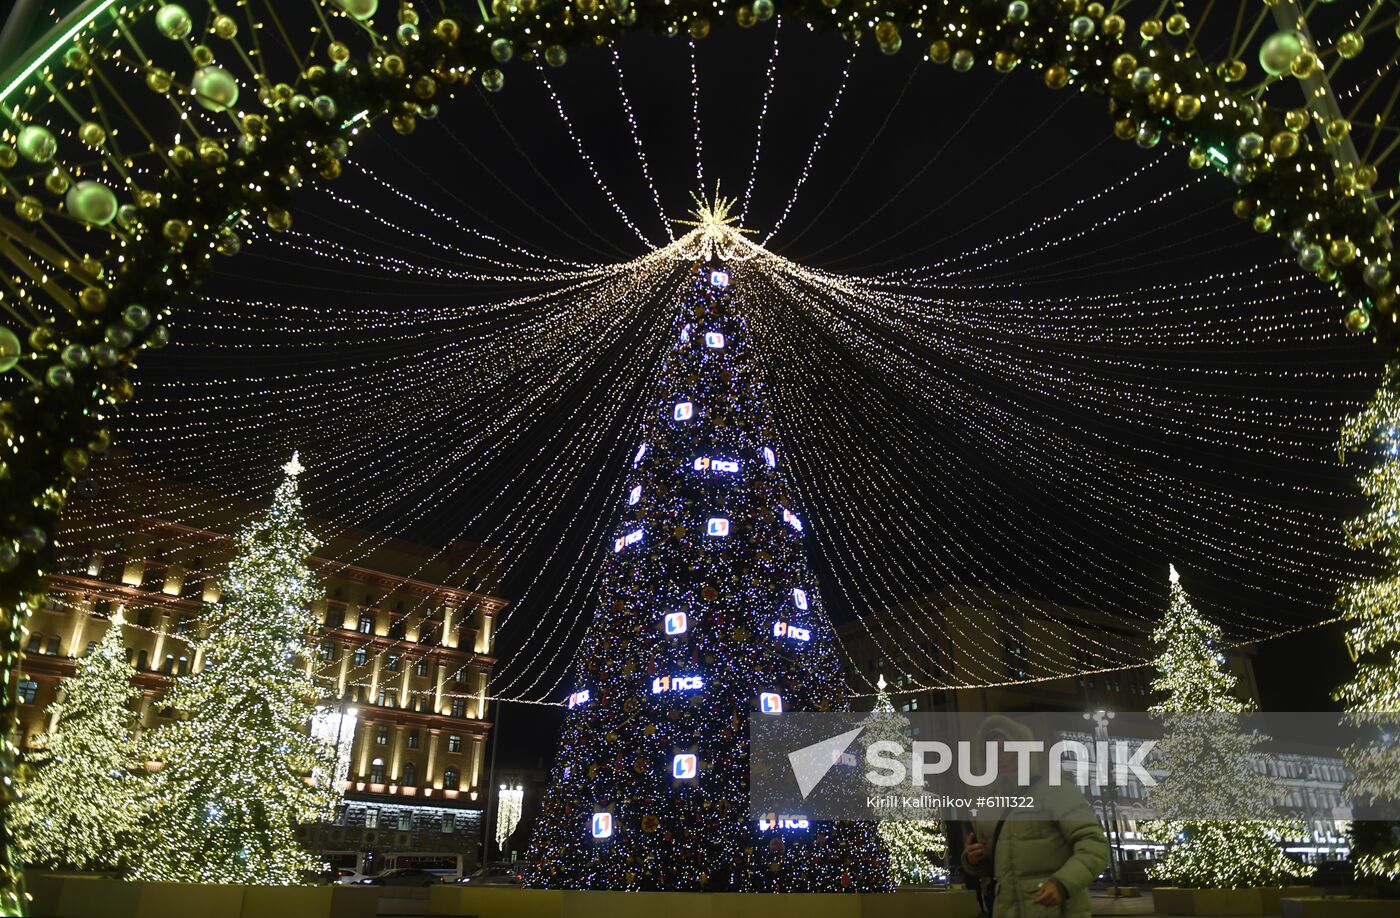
{"x": 1278, "y": 51}
{"x": 10, "y": 349}
{"x": 556, "y": 56}
{"x": 763, "y": 10}
{"x": 215, "y": 88}
{"x": 493, "y": 80}
{"x": 37, "y": 144}
{"x": 92, "y": 202}
{"x": 173, "y": 21}
{"x": 359, "y": 9}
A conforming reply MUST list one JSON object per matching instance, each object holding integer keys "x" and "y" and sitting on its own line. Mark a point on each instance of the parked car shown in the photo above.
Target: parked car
{"x": 345, "y": 876}
{"x": 494, "y": 875}
{"x": 404, "y": 876}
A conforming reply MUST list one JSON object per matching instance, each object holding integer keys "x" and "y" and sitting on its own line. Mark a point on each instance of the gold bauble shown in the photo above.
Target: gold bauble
{"x": 886, "y": 31}
{"x": 1235, "y": 71}
{"x": 1243, "y": 208}
{"x": 1177, "y": 24}
{"x": 448, "y": 30}
{"x": 92, "y": 134}
{"x": 338, "y": 52}
{"x": 1005, "y": 61}
{"x": 1158, "y": 100}
{"x": 392, "y": 65}
{"x": 1197, "y": 158}
{"x": 1057, "y": 76}
{"x": 279, "y": 220}
{"x": 1338, "y": 128}
{"x": 212, "y": 152}
{"x": 315, "y": 73}
{"x": 1341, "y": 252}
{"x": 404, "y": 123}
{"x": 587, "y": 7}
{"x": 1284, "y": 144}
{"x": 699, "y": 28}
{"x": 146, "y": 198}
{"x": 831, "y": 4}
{"x": 1304, "y": 65}
{"x": 225, "y": 27}
{"x": 8, "y": 156}
{"x": 330, "y": 169}
{"x": 56, "y": 182}
{"x": 1187, "y": 107}
{"x": 157, "y": 80}
{"x": 122, "y": 390}
{"x": 1125, "y": 129}
{"x": 940, "y": 51}
{"x": 93, "y": 299}
{"x": 175, "y": 231}
{"x": 1263, "y": 223}
{"x": 202, "y": 55}
{"x": 1357, "y": 320}
{"x": 254, "y": 124}
{"x": 1124, "y": 65}
{"x": 1296, "y": 119}
{"x": 1366, "y": 176}
{"x": 425, "y": 87}
{"x": 1150, "y": 28}
{"x": 1113, "y": 25}
{"x": 745, "y": 17}
{"x": 1349, "y": 44}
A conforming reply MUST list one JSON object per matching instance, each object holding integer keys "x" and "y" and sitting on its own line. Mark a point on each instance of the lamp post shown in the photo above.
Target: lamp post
{"x": 1108, "y": 797}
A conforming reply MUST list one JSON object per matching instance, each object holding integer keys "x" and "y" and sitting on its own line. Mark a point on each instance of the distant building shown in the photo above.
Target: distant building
{"x": 403, "y": 650}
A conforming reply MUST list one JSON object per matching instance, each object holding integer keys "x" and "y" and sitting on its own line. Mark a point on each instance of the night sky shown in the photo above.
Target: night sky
{"x": 919, "y": 164}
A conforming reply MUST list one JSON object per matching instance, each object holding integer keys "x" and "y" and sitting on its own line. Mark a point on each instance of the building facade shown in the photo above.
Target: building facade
{"x": 403, "y": 652}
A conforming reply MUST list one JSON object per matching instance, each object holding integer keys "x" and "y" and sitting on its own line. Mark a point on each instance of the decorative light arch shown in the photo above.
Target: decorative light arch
{"x": 138, "y": 135}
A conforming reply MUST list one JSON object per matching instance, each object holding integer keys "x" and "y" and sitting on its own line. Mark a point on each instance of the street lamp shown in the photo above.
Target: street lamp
{"x": 1108, "y": 796}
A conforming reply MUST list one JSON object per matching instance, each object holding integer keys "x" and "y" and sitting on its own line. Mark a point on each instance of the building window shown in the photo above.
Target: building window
{"x": 450, "y": 778}
{"x": 92, "y": 645}
{"x": 381, "y": 735}
{"x": 447, "y": 821}
{"x": 327, "y": 651}
{"x": 459, "y": 707}
{"x": 28, "y": 688}
{"x": 376, "y": 771}
{"x": 361, "y": 656}
{"x": 413, "y": 739}
{"x": 372, "y": 816}
{"x": 379, "y": 699}
{"x": 366, "y": 623}
{"x": 143, "y": 661}
{"x": 454, "y": 742}
{"x": 335, "y": 618}
{"x": 391, "y": 663}
{"x": 427, "y": 632}
{"x": 36, "y": 643}
{"x": 183, "y": 624}
{"x": 421, "y": 667}
{"x": 52, "y": 648}
{"x": 405, "y": 819}
{"x": 391, "y": 698}
{"x": 144, "y": 619}
{"x": 169, "y": 667}
{"x": 340, "y": 815}
{"x": 410, "y": 777}
{"x": 397, "y": 629}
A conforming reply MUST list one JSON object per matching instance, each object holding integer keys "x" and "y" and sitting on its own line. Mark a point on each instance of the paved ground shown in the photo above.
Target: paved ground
{"x": 1126, "y": 905}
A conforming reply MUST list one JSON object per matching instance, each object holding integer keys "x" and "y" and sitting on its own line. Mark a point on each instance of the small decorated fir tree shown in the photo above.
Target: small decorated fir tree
{"x": 1211, "y": 767}
{"x": 918, "y": 847}
{"x": 1371, "y": 605}
{"x": 78, "y": 809}
{"x": 237, "y": 760}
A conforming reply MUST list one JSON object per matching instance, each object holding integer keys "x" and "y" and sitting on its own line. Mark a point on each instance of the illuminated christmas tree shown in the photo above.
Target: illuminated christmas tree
{"x": 1211, "y": 767}
{"x": 78, "y": 807}
{"x": 1371, "y": 606}
{"x": 237, "y": 759}
{"x": 708, "y": 614}
{"x": 918, "y": 848}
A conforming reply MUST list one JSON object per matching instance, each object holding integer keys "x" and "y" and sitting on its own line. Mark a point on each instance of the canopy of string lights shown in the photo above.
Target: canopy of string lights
{"x": 949, "y": 399}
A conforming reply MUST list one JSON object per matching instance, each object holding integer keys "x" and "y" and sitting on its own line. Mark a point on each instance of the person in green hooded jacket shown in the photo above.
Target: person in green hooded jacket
{"x": 1041, "y": 863}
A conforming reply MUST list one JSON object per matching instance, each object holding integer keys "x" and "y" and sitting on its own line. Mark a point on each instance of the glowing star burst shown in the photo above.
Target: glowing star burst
{"x": 716, "y": 235}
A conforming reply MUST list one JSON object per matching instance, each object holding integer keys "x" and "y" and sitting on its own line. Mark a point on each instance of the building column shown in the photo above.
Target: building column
{"x": 480, "y": 695}
{"x": 478, "y": 749}
{"x": 374, "y": 669}
{"x": 158, "y": 653}
{"x": 484, "y": 622}
{"x": 365, "y": 736}
{"x": 396, "y": 763}
{"x": 431, "y": 779}
{"x": 343, "y": 677}
{"x": 405, "y": 701}
{"x": 449, "y": 625}
{"x": 438, "y": 687}
{"x": 59, "y": 696}
{"x": 197, "y": 664}
{"x": 81, "y": 614}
